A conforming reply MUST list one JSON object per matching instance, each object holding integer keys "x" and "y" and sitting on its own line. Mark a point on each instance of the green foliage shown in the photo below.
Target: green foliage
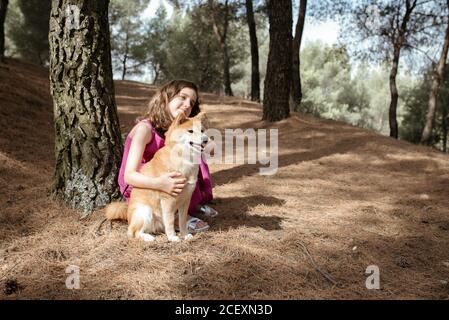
{"x": 27, "y": 29}
{"x": 128, "y": 36}
{"x": 416, "y": 104}
{"x": 333, "y": 90}
{"x": 328, "y": 89}
{"x": 185, "y": 46}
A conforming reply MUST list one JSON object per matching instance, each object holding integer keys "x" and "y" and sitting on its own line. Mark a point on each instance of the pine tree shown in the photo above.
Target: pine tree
{"x": 87, "y": 143}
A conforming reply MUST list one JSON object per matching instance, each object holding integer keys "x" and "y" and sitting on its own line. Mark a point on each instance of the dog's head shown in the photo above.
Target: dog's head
{"x": 188, "y": 133}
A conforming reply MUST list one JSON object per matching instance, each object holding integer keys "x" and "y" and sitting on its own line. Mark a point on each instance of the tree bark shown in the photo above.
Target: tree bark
{"x": 432, "y": 106}
{"x": 87, "y": 133}
{"x": 3, "y": 10}
{"x": 255, "y": 75}
{"x": 125, "y": 57}
{"x": 279, "y": 67}
{"x": 444, "y": 124}
{"x": 221, "y": 36}
{"x": 397, "y": 46}
{"x": 296, "y": 92}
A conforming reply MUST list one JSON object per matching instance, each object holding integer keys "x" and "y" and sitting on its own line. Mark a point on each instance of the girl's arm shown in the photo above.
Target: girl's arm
{"x": 171, "y": 183}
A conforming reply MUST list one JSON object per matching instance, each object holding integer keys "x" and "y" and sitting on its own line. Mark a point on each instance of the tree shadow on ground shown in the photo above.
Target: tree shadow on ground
{"x": 235, "y": 173}
{"x": 235, "y": 212}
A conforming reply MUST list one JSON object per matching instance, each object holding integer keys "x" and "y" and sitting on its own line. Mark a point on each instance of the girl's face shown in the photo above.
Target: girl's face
{"x": 182, "y": 102}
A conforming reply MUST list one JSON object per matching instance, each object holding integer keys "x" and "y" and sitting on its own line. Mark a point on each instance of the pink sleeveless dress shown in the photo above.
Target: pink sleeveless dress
{"x": 203, "y": 190}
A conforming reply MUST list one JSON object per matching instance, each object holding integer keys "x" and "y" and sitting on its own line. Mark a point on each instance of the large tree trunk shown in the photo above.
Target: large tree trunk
{"x": 397, "y": 46}
{"x": 444, "y": 125}
{"x": 279, "y": 67}
{"x": 296, "y": 92}
{"x": 255, "y": 75}
{"x": 394, "y": 93}
{"x": 221, "y": 36}
{"x": 87, "y": 134}
{"x": 3, "y": 9}
{"x": 427, "y": 132}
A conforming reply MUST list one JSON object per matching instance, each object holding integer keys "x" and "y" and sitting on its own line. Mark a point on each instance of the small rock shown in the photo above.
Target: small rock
{"x": 355, "y": 252}
{"x": 424, "y": 196}
{"x": 443, "y": 282}
{"x": 446, "y": 263}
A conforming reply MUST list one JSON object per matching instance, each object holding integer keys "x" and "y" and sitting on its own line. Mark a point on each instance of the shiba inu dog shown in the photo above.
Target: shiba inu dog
{"x": 152, "y": 211}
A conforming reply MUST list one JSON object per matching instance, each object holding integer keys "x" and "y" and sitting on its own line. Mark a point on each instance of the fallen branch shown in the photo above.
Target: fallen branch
{"x": 7, "y": 271}
{"x": 317, "y": 268}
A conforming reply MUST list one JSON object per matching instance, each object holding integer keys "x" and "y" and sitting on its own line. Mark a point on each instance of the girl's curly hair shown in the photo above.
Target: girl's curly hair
{"x": 157, "y": 111}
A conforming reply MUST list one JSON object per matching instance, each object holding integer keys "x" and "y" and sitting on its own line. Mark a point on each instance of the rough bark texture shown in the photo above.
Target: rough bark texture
{"x": 87, "y": 136}
{"x": 221, "y": 35}
{"x": 255, "y": 75}
{"x": 444, "y": 125}
{"x": 3, "y": 9}
{"x": 397, "y": 46}
{"x": 296, "y": 92}
{"x": 430, "y": 118}
{"x": 279, "y": 67}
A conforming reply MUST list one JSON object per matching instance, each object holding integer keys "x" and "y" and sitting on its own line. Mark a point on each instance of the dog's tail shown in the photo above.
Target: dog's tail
{"x": 117, "y": 210}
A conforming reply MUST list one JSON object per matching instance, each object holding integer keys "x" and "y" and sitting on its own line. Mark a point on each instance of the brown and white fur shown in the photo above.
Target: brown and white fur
{"x": 152, "y": 211}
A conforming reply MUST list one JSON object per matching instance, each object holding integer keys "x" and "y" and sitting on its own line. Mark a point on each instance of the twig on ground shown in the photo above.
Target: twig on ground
{"x": 317, "y": 268}
{"x": 7, "y": 271}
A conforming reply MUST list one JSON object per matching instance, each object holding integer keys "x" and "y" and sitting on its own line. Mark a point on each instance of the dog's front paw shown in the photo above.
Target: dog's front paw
{"x": 174, "y": 239}
{"x": 188, "y": 236}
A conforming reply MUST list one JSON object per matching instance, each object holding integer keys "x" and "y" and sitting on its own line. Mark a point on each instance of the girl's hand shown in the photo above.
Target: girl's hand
{"x": 172, "y": 183}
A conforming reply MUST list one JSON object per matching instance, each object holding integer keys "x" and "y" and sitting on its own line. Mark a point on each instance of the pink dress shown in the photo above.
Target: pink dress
{"x": 203, "y": 190}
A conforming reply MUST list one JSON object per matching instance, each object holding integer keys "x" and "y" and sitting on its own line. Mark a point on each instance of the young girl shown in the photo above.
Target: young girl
{"x": 147, "y": 136}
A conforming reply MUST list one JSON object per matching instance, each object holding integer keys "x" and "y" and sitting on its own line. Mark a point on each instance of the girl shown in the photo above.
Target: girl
{"x": 147, "y": 136}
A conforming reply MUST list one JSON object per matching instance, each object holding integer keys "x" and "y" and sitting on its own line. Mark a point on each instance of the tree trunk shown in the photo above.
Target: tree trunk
{"x": 279, "y": 67}
{"x": 399, "y": 42}
{"x": 427, "y": 132}
{"x": 444, "y": 124}
{"x": 221, "y": 36}
{"x": 87, "y": 133}
{"x": 296, "y": 92}
{"x": 255, "y": 75}
{"x": 394, "y": 93}
{"x": 3, "y": 9}
{"x": 124, "y": 66}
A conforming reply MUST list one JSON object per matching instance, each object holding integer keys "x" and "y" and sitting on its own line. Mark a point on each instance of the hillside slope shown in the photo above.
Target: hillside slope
{"x": 343, "y": 197}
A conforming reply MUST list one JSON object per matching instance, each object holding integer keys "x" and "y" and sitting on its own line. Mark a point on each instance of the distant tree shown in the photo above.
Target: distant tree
{"x": 87, "y": 133}
{"x": 28, "y": 30}
{"x": 296, "y": 92}
{"x": 221, "y": 14}
{"x": 156, "y": 44}
{"x": 190, "y": 49}
{"x": 128, "y": 36}
{"x": 430, "y": 117}
{"x": 255, "y": 75}
{"x": 416, "y": 107}
{"x": 279, "y": 67}
{"x": 384, "y": 30}
{"x": 3, "y": 10}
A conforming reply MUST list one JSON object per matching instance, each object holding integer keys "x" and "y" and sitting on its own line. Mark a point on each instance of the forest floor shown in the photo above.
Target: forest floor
{"x": 343, "y": 199}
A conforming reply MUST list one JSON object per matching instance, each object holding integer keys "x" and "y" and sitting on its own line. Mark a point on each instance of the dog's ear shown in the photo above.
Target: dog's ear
{"x": 180, "y": 118}
{"x": 203, "y": 118}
